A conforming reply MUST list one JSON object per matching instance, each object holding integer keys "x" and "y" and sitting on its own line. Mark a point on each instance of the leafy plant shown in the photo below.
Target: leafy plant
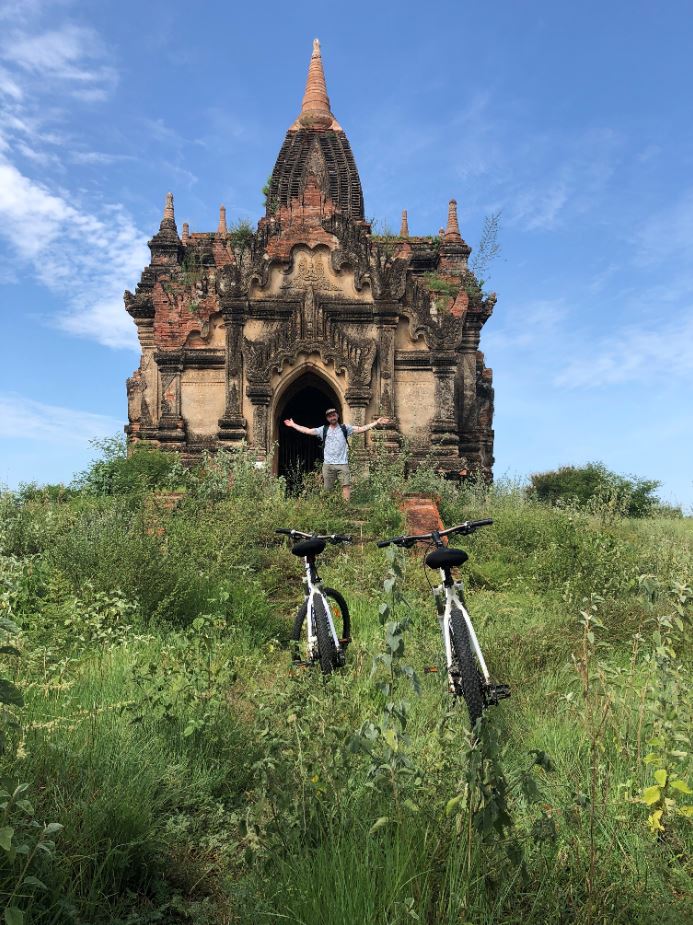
{"x": 241, "y": 237}
{"x": 669, "y": 711}
{"x": 11, "y": 697}
{"x": 487, "y": 250}
{"x": 593, "y": 482}
{"x": 25, "y": 844}
{"x": 386, "y": 741}
{"x": 118, "y": 472}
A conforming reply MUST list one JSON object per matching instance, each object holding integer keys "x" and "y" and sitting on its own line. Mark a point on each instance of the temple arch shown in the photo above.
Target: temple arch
{"x": 305, "y": 398}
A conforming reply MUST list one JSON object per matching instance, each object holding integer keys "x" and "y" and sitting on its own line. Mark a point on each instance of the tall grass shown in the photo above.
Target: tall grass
{"x": 197, "y": 778}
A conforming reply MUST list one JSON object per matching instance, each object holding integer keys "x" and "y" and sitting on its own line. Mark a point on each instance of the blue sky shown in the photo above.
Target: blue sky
{"x": 574, "y": 120}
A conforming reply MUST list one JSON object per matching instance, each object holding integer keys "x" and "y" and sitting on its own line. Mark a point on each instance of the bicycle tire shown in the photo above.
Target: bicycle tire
{"x": 339, "y": 615}
{"x": 470, "y": 678}
{"x": 327, "y": 650}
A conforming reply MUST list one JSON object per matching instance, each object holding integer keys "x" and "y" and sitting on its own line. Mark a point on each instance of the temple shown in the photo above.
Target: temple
{"x": 240, "y": 328}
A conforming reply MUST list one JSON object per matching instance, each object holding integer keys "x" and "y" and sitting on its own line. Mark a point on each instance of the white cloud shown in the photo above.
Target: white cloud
{"x": 62, "y": 55}
{"x": 25, "y": 419}
{"x": 579, "y": 171}
{"x": 9, "y": 86}
{"x": 88, "y": 258}
{"x": 86, "y": 254}
{"x": 667, "y": 233}
{"x": 635, "y": 353}
{"x": 526, "y": 325}
{"x": 100, "y": 158}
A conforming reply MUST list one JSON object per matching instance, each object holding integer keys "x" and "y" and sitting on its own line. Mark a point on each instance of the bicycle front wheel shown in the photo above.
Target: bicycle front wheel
{"x": 327, "y": 650}
{"x": 340, "y": 617}
{"x": 470, "y": 678}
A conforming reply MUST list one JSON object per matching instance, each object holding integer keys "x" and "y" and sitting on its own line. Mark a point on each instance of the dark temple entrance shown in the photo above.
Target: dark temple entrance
{"x": 306, "y": 401}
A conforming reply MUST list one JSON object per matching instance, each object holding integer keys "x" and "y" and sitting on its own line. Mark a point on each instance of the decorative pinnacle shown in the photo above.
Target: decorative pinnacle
{"x": 168, "y": 208}
{"x": 404, "y": 228}
{"x": 168, "y": 231}
{"x": 452, "y": 232}
{"x": 315, "y": 108}
{"x": 222, "y": 229}
{"x": 186, "y": 233}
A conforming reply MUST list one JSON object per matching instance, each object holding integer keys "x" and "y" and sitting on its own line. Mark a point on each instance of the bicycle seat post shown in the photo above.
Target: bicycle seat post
{"x": 311, "y": 569}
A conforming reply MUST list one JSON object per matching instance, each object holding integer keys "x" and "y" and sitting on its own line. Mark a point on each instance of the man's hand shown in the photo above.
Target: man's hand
{"x": 381, "y": 421}
{"x": 289, "y": 422}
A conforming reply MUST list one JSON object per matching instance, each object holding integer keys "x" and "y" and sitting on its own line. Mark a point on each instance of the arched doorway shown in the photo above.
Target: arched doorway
{"x": 306, "y": 401}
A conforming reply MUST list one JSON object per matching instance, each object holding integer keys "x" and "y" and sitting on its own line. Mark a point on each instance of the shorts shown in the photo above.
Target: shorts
{"x": 333, "y": 471}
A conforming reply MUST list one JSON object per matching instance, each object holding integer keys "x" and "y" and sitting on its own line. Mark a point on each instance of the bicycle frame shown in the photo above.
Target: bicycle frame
{"x": 313, "y": 587}
{"x": 448, "y": 589}
{"x": 471, "y": 679}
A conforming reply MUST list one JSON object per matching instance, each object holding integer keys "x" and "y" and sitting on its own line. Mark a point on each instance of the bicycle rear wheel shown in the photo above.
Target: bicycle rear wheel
{"x": 340, "y": 618}
{"x": 327, "y": 649}
{"x": 470, "y": 680}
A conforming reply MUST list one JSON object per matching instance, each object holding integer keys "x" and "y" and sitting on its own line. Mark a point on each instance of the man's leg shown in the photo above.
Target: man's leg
{"x": 345, "y": 479}
{"x": 329, "y": 476}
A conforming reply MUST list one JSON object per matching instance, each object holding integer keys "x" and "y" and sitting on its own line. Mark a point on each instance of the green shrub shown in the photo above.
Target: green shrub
{"x": 119, "y": 472}
{"x": 593, "y": 482}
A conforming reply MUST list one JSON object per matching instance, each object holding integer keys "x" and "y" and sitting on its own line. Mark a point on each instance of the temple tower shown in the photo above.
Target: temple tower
{"x": 240, "y": 328}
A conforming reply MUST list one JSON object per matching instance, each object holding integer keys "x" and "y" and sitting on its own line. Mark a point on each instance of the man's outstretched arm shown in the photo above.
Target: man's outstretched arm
{"x": 365, "y": 427}
{"x": 299, "y": 427}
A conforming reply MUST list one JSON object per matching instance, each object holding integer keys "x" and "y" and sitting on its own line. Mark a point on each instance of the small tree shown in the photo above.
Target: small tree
{"x": 116, "y": 472}
{"x": 594, "y": 482}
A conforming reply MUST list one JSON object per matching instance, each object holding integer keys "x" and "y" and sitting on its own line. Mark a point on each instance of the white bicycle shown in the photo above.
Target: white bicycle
{"x": 323, "y": 611}
{"x": 468, "y": 675}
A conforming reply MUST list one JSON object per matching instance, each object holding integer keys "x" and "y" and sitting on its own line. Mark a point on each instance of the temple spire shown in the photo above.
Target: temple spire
{"x": 168, "y": 222}
{"x": 222, "y": 229}
{"x": 168, "y": 208}
{"x": 186, "y": 233}
{"x": 165, "y": 244}
{"x": 404, "y": 227}
{"x": 315, "y": 108}
{"x": 452, "y": 232}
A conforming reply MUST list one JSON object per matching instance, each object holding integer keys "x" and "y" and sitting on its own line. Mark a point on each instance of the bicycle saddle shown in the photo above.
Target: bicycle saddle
{"x": 311, "y": 547}
{"x": 446, "y": 558}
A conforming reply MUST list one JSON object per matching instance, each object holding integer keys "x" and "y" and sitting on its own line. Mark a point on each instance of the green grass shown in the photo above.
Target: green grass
{"x": 198, "y": 778}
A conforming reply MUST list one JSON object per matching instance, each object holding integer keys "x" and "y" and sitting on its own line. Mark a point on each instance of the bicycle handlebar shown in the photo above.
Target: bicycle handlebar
{"x": 330, "y": 537}
{"x": 469, "y": 526}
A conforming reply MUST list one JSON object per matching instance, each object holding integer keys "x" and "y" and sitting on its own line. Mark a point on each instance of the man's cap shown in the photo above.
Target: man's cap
{"x": 331, "y": 411}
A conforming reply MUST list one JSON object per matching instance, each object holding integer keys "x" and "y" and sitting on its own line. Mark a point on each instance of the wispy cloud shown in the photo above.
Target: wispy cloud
{"x": 557, "y": 176}
{"x": 635, "y": 353}
{"x": 523, "y": 326}
{"x": 668, "y": 233}
{"x": 88, "y": 258}
{"x": 100, "y": 158}
{"x": 72, "y": 55}
{"x": 86, "y": 253}
{"x": 25, "y": 419}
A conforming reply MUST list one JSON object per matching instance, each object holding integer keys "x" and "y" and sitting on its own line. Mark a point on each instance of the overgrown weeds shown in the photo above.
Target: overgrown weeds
{"x": 198, "y": 779}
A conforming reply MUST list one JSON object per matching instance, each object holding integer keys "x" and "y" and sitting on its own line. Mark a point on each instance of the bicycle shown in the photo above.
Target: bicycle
{"x": 468, "y": 675}
{"x": 323, "y": 644}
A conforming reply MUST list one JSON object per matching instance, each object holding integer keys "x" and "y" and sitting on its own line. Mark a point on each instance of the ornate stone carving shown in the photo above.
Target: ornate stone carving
{"x": 310, "y": 274}
{"x": 394, "y": 321}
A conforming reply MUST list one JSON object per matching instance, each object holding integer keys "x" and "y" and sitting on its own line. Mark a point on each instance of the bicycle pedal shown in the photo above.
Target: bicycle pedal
{"x": 496, "y": 693}
{"x": 430, "y": 669}
{"x": 345, "y": 642}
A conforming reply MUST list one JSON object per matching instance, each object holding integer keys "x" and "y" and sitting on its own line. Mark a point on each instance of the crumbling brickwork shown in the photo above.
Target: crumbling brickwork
{"x": 232, "y": 322}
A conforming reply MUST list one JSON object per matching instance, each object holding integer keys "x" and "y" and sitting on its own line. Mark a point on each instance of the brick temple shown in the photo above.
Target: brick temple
{"x": 242, "y": 327}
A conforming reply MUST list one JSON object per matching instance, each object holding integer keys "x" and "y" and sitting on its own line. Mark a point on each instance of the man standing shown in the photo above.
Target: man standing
{"x": 335, "y": 437}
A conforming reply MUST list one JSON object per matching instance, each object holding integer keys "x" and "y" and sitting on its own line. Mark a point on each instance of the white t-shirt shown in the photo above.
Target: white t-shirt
{"x": 336, "y": 450}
